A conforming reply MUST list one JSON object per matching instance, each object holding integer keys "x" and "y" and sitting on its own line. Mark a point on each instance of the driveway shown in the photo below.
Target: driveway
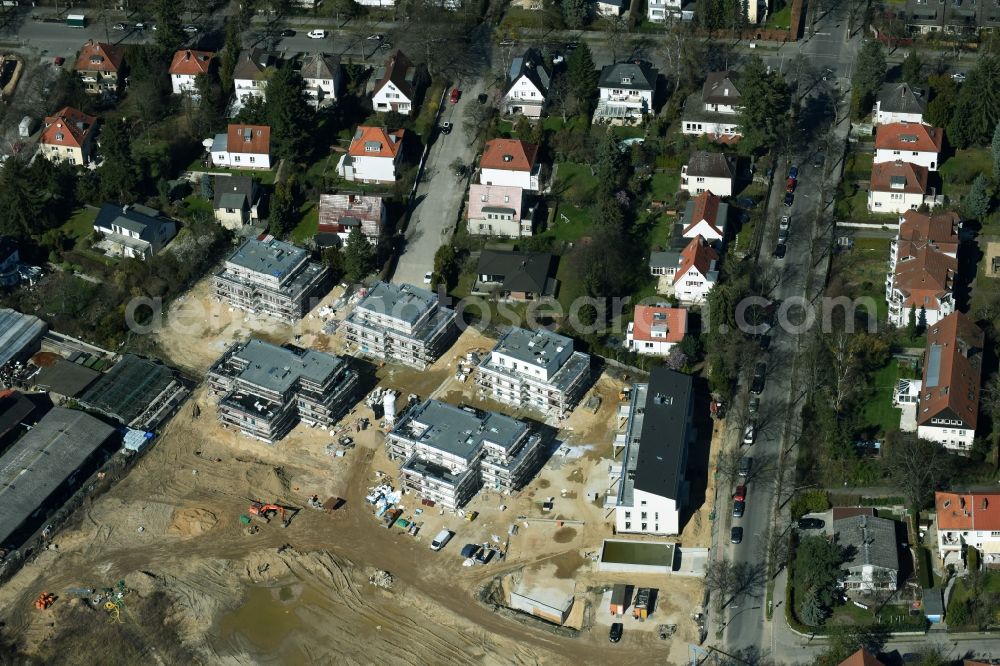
{"x": 440, "y": 195}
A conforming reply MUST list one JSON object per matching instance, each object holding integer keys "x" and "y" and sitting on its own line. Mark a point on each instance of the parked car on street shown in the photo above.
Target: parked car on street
{"x": 190, "y": 29}
{"x": 741, "y": 493}
{"x": 958, "y": 77}
{"x": 789, "y": 199}
{"x": 120, "y": 26}
{"x": 736, "y": 535}
{"x": 746, "y": 462}
{"x": 738, "y": 509}
{"x": 456, "y": 94}
{"x": 759, "y": 372}
{"x": 749, "y": 433}
{"x": 793, "y": 172}
{"x": 786, "y": 221}
{"x": 615, "y": 634}
{"x": 446, "y": 128}
{"x": 780, "y": 250}
{"x": 790, "y": 185}
{"x": 316, "y": 34}
{"x": 287, "y": 32}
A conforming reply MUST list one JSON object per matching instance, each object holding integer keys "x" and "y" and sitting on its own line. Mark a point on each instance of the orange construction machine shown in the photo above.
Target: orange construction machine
{"x": 266, "y": 511}
{"x": 44, "y": 600}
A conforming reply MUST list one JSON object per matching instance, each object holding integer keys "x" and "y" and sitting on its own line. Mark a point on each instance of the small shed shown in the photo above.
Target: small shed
{"x": 26, "y": 127}
{"x": 619, "y": 599}
{"x": 933, "y": 605}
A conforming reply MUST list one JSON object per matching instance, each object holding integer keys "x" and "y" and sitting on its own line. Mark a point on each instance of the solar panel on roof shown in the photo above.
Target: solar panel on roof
{"x": 933, "y": 366}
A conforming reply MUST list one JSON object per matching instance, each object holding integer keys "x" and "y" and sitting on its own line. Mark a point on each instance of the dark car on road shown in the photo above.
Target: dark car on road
{"x": 811, "y": 524}
{"x": 470, "y": 550}
{"x": 615, "y": 634}
{"x": 793, "y": 173}
{"x": 780, "y": 250}
{"x": 790, "y": 185}
{"x": 736, "y": 535}
{"x": 482, "y": 98}
{"x": 789, "y": 199}
{"x": 765, "y": 342}
{"x": 287, "y": 32}
{"x": 738, "y": 509}
{"x": 757, "y": 385}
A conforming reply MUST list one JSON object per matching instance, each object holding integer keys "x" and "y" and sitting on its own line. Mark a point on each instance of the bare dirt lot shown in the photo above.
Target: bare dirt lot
{"x": 205, "y": 590}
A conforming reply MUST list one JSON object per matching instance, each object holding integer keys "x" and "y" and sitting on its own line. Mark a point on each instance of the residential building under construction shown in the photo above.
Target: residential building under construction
{"x": 266, "y": 389}
{"x": 534, "y": 370}
{"x": 272, "y": 278}
{"x": 450, "y": 452}
{"x": 401, "y": 323}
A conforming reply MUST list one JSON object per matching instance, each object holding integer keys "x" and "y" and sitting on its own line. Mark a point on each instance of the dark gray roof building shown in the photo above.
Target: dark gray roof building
{"x": 518, "y": 274}
{"x": 871, "y": 545}
{"x": 628, "y": 76}
{"x": 901, "y": 98}
{"x": 137, "y": 392}
{"x": 720, "y": 88}
{"x": 45, "y": 466}
{"x": 710, "y": 165}
{"x": 20, "y": 335}
{"x": 531, "y": 66}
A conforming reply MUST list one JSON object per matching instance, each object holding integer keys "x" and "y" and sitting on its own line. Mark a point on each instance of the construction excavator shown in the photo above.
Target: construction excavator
{"x": 265, "y": 512}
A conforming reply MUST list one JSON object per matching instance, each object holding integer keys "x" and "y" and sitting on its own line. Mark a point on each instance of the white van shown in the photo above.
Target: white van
{"x": 443, "y": 537}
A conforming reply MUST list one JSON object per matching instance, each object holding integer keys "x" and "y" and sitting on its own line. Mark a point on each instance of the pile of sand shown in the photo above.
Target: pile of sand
{"x": 191, "y": 522}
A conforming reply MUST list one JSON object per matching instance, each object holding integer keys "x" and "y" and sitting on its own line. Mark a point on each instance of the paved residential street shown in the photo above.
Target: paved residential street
{"x": 440, "y": 194}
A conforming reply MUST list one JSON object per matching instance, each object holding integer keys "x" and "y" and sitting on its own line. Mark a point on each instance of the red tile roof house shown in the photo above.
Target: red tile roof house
{"x": 243, "y": 147}
{"x": 374, "y": 155}
{"x": 100, "y": 66}
{"x": 915, "y": 143}
{"x": 968, "y": 519}
{"x": 68, "y": 136}
{"x": 862, "y": 658}
{"x": 948, "y": 397}
{"x": 496, "y": 210}
{"x": 655, "y": 329}
{"x": 896, "y": 187}
{"x": 186, "y": 66}
{"x": 510, "y": 162}
{"x": 340, "y": 214}
{"x": 922, "y": 267}
{"x": 705, "y": 216}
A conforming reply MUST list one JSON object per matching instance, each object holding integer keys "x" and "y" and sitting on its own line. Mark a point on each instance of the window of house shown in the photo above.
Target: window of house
{"x": 628, "y": 526}
{"x": 236, "y": 158}
{"x": 699, "y": 180}
{"x": 644, "y": 527}
{"x": 628, "y": 514}
{"x": 642, "y": 503}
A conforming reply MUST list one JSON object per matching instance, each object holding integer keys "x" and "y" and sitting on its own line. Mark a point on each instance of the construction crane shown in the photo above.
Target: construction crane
{"x": 266, "y": 511}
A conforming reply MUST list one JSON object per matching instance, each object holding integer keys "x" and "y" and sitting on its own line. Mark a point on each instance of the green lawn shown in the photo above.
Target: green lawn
{"x": 780, "y": 20}
{"x": 858, "y": 165}
{"x": 575, "y": 181}
{"x": 569, "y": 223}
{"x": 81, "y": 225}
{"x": 306, "y": 228}
{"x": 196, "y": 204}
{"x": 659, "y": 230}
{"x": 961, "y": 591}
{"x": 665, "y": 185}
{"x": 895, "y": 617}
{"x": 959, "y": 170}
{"x": 878, "y": 412}
{"x": 264, "y": 176}
{"x": 861, "y": 272}
{"x": 631, "y": 132}
{"x": 554, "y": 123}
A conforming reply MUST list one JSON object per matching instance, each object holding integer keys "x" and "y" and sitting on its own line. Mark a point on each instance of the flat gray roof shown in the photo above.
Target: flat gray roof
{"x": 66, "y": 378}
{"x": 18, "y": 331}
{"x": 400, "y": 301}
{"x": 458, "y": 431}
{"x": 278, "y": 368}
{"x": 535, "y": 347}
{"x": 273, "y": 257}
{"x": 42, "y": 460}
{"x": 664, "y": 259}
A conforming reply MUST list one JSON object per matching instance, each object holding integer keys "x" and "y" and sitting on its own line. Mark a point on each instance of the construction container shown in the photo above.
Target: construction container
{"x": 619, "y": 599}
{"x": 641, "y": 608}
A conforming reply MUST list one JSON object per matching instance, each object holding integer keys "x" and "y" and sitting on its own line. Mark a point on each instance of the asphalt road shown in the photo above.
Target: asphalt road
{"x": 744, "y": 621}
{"x": 440, "y": 194}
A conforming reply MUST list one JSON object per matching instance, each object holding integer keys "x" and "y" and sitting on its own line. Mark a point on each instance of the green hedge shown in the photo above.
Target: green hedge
{"x": 924, "y": 568}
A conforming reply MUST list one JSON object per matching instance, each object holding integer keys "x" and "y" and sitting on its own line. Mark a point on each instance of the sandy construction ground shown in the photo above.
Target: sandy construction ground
{"x": 300, "y": 594}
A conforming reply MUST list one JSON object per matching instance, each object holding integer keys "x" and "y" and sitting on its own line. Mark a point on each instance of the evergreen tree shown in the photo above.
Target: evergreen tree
{"x": 230, "y": 55}
{"x": 912, "y": 69}
{"x": 117, "y": 175}
{"x": 944, "y": 95}
{"x": 359, "y": 257}
{"x": 869, "y": 74}
{"x": 575, "y": 13}
{"x": 282, "y": 214}
{"x": 977, "y": 109}
{"x": 169, "y": 32}
{"x": 582, "y": 75}
{"x": 995, "y": 150}
{"x": 288, "y": 113}
{"x": 610, "y": 163}
{"x": 20, "y": 203}
{"x": 977, "y": 202}
{"x": 763, "y": 118}
{"x": 333, "y": 257}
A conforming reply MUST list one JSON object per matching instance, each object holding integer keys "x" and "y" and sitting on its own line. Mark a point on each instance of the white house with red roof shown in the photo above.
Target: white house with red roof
{"x": 498, "y": 210}
{"x": 915, "y": 143}
{"x": 968, "y": 519}
{"x": 922, "y": 268}
{"x": 655, "y": 329}
{"x": 948, "y": 404}
{"x": 68, "y": 136}
{"x": 689, "y": 274}
{"x": 243, "y": 147}
{"x": 186, "y": 66}
{"x": 896, "y": 187}
{"x": 374, "y": 155}
{"x": 705, "y": 216}
{"x": 510, "y": 162}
